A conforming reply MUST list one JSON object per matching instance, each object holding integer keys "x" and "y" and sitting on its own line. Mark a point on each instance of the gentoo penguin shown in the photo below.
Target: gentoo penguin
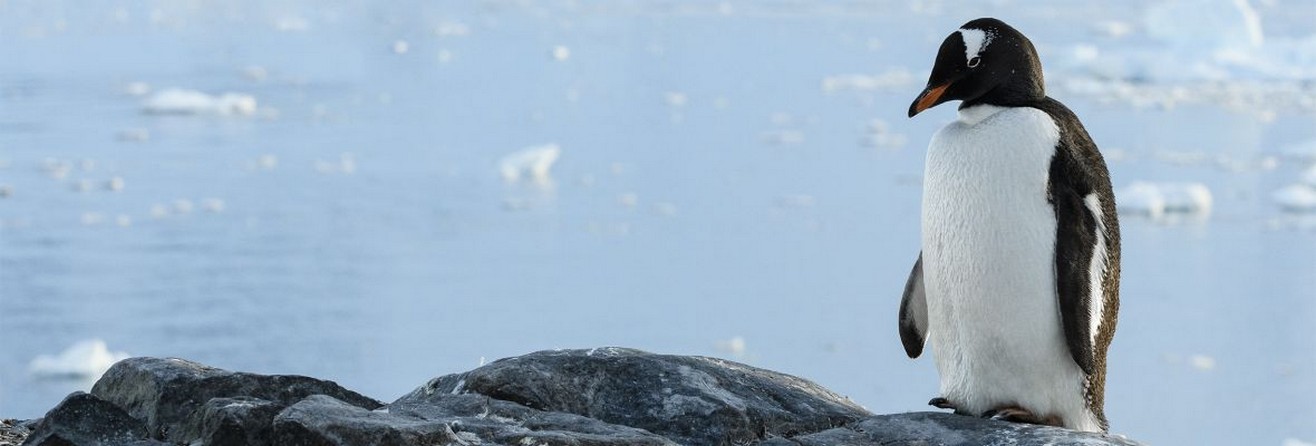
{"x": 1017, "y": 286}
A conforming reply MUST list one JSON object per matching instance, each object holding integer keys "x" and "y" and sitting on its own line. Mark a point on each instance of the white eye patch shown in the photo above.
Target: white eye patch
{"x": 975, "y": 41}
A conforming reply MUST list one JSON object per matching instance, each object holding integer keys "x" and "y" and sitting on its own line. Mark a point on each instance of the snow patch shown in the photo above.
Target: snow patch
{"x": 88, "y": 359}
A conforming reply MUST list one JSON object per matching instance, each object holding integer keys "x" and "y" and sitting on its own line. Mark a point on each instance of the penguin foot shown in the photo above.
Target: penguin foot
{"x": 1020, "y": 415}
{"x": 941, "y": 403}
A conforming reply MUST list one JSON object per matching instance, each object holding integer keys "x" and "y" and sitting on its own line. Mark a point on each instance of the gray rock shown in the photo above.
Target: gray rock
{"x": 84, "y": 420}
{"x": 506, "y": 422}
{"x": 688, "y": 399}
{"x": 12, "y": 432}
{"x": 230, "y": 422}
{"x": 164, "y": 393}
{"x": 324, "y": 420}
{"x": 944, "y": 429}
{"x": 600, "y": 397}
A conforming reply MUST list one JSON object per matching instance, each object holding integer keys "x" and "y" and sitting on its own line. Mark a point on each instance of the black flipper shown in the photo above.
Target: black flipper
{"x": 1077, "y": 172}
{"x": 914, "y": 312}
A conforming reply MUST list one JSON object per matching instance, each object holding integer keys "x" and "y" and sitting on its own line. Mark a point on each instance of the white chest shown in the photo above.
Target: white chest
{"x": 988, "y": 263}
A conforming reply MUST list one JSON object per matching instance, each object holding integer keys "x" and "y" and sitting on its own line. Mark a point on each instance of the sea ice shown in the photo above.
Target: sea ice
{"x": 894, "y": 78}
{"x": 1296, "y": 198}
{"x": 177, "y": 101}
{"x": 86, "y": 359}
{"x": 1156, "y": 200}
{"x": 533, "y": 163}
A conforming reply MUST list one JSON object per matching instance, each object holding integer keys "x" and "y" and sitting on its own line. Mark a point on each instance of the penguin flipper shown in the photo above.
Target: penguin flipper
{"x": 914, "y": 312}
{"x": 1076, "y": 243}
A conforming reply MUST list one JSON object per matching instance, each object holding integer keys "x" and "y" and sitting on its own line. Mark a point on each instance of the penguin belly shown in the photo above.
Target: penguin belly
{"x": 989, "y": 267}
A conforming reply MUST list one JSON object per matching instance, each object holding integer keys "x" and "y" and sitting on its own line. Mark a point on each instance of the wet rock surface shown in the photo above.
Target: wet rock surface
{"x": 595, "y": 397}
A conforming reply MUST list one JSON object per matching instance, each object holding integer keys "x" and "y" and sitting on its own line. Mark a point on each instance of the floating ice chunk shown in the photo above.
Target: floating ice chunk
{"x": 735, "y": 346}
{"x": 114, "y": 184}
{"x": 92, "y": 218}
{"x": 1296, "y": 198}
{"x": 1201, "y": 362}
{"x": 123, "y": 220}
{"x": 1188, "y": 23}
{"x": 676, "y": 98}
{"x": 292, "y": 23}
{"x": 213, "y": 205}
{"x": 1309, "y": 176}
{"x": 1156, "y": 200}
{"x": 629, "y": 199}
{"x": 452, "y": 29}
{"x": 899, "y": 77}
{"x": 346, "y": 164}
{"x": 1296, "y": 442}
{"x": 665, "y": 209}
{"x": 177, "y": 101}
{"x": 255, "y": 73}
{"x": 561, "y": 53}
{"x": 137, "y": 88}
{"x": 401, "y": 47}
{"x": 783, "y": 137}
{"x": 1302, "y": 151}
{"x": 795, "y": 201}
{"x": 88, "y": 359}
{"x": 533, "y": 163}
{"x": 183, "y": 206}
{"x": 134, "y": 135}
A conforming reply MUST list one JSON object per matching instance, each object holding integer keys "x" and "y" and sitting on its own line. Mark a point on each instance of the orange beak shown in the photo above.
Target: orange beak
{"x": 927, "y": 99}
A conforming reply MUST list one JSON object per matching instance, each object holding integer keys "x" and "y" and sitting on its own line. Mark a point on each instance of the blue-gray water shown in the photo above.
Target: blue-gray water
{"x": 675, "y": 220}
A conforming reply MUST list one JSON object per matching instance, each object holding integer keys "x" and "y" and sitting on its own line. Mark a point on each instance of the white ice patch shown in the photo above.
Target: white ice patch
{"x": 532, "y": 162}
{"x": 176, "y": 101}
{"x": 1096, "y": 270}
{"x": 975, "y": 41}
{"x": 86, "y": 359}
{"x": 1165, "y": 201}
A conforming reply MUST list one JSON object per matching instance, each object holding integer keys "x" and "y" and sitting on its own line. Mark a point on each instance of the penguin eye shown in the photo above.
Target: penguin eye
{"x": 974, "y": 61}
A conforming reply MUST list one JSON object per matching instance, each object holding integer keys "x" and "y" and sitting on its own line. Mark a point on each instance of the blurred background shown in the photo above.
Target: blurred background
{"x": 378, "y": 193}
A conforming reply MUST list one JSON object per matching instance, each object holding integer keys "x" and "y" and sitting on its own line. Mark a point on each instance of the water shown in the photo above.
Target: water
{"x": 383, "y": 248}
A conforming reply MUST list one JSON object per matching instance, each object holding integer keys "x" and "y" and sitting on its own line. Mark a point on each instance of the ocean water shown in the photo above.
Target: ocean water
{"x": 715, "y": 194}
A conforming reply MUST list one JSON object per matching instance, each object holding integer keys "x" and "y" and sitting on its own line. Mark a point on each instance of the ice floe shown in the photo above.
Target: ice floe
{"x": 895, "y": 78}
{"x": 177, "y": 101}
{"x": 87, "y": 359}
{"x": 1296, "y": 198}
{"x": 1198, "y": 51}
{"x": 532, "y": 163}
{"x": 1165, "y": 201}
{"x": 561, "y": 53}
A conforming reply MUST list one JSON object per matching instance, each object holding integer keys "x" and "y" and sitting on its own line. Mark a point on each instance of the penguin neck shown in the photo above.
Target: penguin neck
{"x": 973, "y": 114}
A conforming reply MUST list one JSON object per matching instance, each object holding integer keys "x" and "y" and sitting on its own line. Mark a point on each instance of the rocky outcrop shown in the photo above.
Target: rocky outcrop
{"x": 597, "y": 397}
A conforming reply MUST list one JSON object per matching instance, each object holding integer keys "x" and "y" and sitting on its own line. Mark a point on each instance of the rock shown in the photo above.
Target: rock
{"x": 230, "y": 422}
{"x": 688, "y": 399}
{"x": 512, "y": 423}
{"x": 598, "y": 397}
{"x": 12, "y": 432}
{"x": 934, "y": 428}
{"x": 324, "y": 420}
{"x": 85, "y": 420}
{"x": 164, "y": 393}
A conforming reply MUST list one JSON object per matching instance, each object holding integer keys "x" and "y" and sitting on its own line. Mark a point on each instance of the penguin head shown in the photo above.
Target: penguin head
{"x": 984, "y": 62}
